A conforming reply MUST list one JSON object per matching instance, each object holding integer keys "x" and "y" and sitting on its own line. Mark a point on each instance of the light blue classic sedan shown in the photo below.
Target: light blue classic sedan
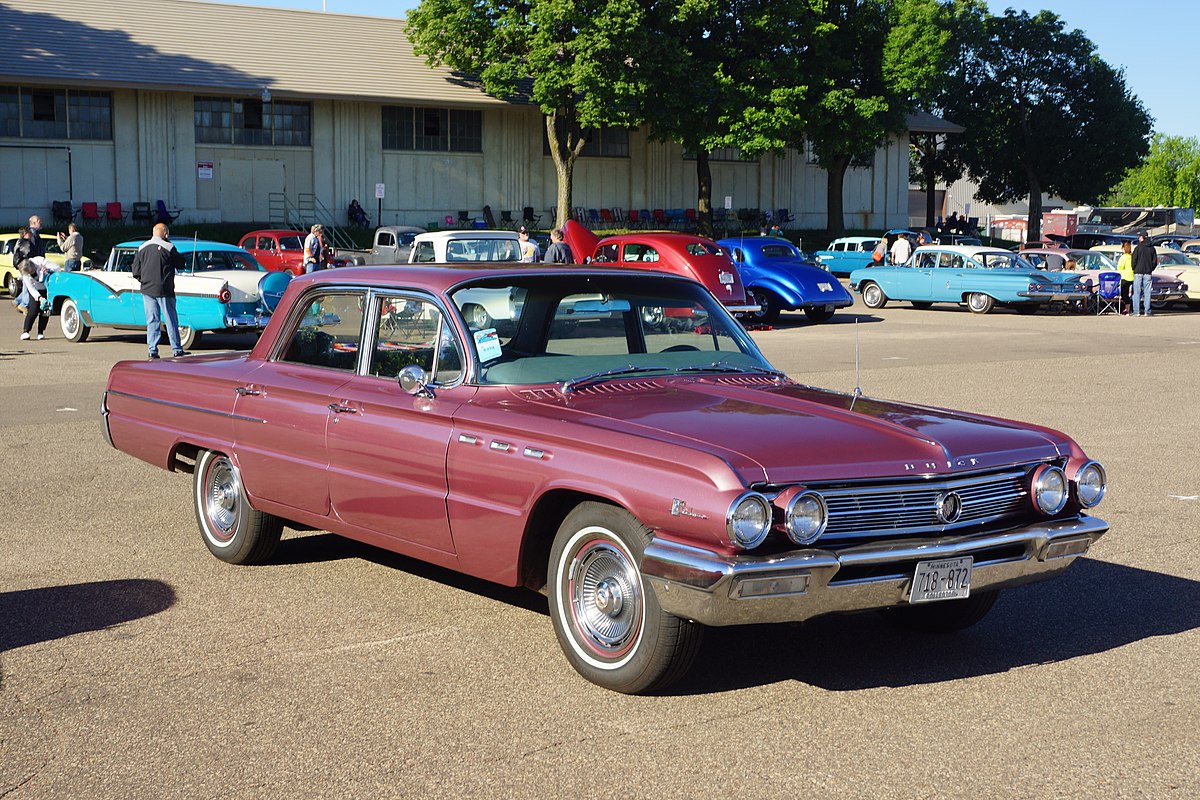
{"x": 217, "y": 290}
{"x": 981, "y": 277}
{"x": 779, "y": 278}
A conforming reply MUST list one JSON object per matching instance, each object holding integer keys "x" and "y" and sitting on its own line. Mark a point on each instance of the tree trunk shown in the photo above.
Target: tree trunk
{"x": 1034, "y": 223}
{"x": 930, "y": 185}
{"x": 835, "y": 224}
{"x": 704, "y": 194}
{"x": 564, "y": 150}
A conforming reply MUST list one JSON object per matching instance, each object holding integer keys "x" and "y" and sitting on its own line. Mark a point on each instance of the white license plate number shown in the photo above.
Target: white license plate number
{"x": 944, "y": 579}
{"x": 725, "y": 277}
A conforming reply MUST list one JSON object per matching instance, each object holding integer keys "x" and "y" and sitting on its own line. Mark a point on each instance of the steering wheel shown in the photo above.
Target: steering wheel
{"x": 680, "y": 348}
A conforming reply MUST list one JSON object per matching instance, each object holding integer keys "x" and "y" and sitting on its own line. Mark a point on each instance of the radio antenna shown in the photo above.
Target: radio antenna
{"x": 857, "y": 393}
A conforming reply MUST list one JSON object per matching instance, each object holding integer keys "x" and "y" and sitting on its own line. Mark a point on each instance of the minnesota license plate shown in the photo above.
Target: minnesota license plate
{"x": 945, "y": 579}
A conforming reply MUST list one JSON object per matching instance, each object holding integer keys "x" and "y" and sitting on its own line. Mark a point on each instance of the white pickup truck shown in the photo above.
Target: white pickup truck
{"x": 391, "y": 245}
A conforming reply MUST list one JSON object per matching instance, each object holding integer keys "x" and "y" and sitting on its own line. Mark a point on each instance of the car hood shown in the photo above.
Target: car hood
{"x": 790, "y": 433}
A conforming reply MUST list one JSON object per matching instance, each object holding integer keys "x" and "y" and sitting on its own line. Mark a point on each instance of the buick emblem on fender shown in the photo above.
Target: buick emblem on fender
{"x": 949, "y": 507}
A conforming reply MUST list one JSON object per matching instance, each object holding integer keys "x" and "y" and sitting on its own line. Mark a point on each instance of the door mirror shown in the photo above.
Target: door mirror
{"x": 415, "y": 381}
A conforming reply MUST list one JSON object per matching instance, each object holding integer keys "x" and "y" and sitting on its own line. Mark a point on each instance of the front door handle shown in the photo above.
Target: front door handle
{"x": 247, "y": 391}
{"x": 338, "y": 408}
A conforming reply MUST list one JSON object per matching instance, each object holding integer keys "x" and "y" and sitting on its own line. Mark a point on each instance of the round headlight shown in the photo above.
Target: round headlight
{"x": 1090, "y": 484}
{"x": 1049, "y": 490}
{"x": 806, "y": 517}
{"x": 749, "y": 520}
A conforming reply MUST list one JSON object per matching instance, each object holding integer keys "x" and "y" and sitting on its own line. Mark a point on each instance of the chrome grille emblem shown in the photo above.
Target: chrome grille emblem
{"x": 949, "y": 507}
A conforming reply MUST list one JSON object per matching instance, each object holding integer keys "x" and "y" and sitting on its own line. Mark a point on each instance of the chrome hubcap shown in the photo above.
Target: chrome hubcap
{"x": 605, "y": 597}
{"x": 221, "y": 499}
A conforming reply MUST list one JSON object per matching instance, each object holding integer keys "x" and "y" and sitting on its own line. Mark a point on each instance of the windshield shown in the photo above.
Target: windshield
{"x": 579, "y": 330}
{"x": 482, "y": 250}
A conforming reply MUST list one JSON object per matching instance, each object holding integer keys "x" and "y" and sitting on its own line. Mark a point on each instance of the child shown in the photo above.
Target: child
{"x": 32, "y": 281}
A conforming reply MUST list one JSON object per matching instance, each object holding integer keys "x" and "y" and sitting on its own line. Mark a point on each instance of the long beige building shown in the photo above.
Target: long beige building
{"x": 221, "y": 110}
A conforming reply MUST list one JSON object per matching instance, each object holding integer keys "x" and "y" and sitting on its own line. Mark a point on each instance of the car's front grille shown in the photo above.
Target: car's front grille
{"x": 857, "y": 512}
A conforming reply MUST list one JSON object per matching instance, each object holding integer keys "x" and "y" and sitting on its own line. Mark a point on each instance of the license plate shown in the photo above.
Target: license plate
{"x": 825, "y": 287}
{"x": 829, "y": 307}
{"x": 945, "y": 579}
{"x": 725, "y": 277}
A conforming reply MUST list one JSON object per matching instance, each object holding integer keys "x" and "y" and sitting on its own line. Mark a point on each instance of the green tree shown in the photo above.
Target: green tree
{"x": 1169, "y": 176}
{"x": 725, "y": 77}
{"x": 1044, "y": 113}
{"x": 584, "y": 64}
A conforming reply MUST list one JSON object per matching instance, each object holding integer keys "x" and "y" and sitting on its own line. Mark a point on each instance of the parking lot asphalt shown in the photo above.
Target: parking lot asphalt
{"x": 133, "y": 664}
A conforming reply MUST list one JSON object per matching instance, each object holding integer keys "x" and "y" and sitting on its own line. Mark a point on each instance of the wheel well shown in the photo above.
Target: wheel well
{"x": 184, "y": 457}
{"x": 549, "y": 512}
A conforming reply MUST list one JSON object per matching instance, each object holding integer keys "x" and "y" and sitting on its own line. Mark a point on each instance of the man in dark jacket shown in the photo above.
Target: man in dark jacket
{"x": 559, "y": 252}
{"x": 1145, "y": 261}
{"x": 154, "y": 266}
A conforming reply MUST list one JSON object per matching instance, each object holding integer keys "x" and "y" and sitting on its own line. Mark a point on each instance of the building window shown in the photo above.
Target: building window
{"x": 250, "y": 121}
{"x": 433, "y": 129}
{"x": 602, "y": 142}
{"x": 30, "y": 113}
{"x": 720, "y": 154}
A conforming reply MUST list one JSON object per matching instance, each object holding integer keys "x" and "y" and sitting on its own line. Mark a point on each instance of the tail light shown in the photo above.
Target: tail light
{"x": 224, "y": 295}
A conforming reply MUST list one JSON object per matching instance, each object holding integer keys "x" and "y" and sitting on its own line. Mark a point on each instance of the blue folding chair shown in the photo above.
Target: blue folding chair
{"x": 1108, "y": 293}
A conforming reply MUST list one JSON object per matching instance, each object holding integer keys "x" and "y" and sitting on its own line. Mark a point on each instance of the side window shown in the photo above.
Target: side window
{"x": 838, "y": 247}
{"x": 385, "y": 239}
{"x": 424, "y": 252}
{"x": 123, "y": 260}
{"x": 328, "y": 333}
{"x": 413, "y": 331}
{"x": 925, "y": 260}
{"x": 266, "y": 243}
{"x": 640, "y": 252}
{"x": 950, "y": 261}
{"x": 606, "y": 254}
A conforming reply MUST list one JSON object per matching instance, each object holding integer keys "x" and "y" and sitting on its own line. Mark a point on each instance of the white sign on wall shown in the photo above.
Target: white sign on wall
{"x": 204, "y": 170}
{"x": 379, "y": 191}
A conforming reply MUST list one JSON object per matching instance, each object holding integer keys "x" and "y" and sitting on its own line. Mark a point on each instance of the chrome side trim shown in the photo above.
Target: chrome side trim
{"x": 699, "y": 584}
{"x": 104, "y": 420}
{"x": 185, "y": 407}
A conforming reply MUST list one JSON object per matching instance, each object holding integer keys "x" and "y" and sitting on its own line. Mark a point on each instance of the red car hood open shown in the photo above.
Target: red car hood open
{"x": 581, "y": 240}
{"x": 792, "y": 433}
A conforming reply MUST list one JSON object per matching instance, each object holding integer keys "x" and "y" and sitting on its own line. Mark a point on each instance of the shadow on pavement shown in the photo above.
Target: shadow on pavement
{"x": 1095, "y": 606}
{"x": 30, "y": 616}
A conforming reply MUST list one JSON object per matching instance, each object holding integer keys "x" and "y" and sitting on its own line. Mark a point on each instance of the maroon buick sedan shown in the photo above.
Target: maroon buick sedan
{"x": 651, "y": 479}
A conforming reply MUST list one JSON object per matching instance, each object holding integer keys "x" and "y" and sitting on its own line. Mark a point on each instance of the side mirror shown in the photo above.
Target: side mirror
{"x": 414, "y": 381}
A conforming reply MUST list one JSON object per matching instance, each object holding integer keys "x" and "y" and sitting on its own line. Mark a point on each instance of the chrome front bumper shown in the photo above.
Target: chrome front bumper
{"x": 714, "y": 589}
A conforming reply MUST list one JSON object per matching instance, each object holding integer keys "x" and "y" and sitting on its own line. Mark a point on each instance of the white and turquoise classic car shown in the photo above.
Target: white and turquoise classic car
{"x": 217, "y": 290}
{"x": 847, "y": 254}
{"x": 980, "y": 277}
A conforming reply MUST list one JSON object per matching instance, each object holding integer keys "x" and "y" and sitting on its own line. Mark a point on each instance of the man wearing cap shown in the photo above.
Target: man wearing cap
{"x": 1145, "y": 261}
{"x": 530, "y": 252}
{"x": 315, "y": 253}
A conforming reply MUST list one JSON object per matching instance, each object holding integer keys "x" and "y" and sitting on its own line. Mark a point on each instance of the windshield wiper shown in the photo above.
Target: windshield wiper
{"x": 575, "y": 383}
{"x": 725, "y": 366}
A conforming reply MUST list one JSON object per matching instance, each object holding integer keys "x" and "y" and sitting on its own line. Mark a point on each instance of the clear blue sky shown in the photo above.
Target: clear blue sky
{"x": 1153, "y": 41}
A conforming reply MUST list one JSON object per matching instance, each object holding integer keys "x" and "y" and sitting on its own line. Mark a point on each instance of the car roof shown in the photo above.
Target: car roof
{"x": 188, "y": 245}
{"x": 441, "y": 277}
{"x": 965, "y": 249}
{"x": 747, "y": 241}
{"x": 432, "y": 236}
{"x": 856, "y": 239}
{"x": 274, "y": 232}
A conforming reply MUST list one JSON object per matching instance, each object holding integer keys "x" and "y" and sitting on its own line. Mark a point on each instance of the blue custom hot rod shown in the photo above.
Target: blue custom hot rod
{"x": 779, "y": 278}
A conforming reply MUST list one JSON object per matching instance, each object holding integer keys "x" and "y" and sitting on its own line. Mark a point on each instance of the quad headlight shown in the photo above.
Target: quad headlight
{"x": 748, "y": 520}
{"x": 1049, "y": 489}
{"x": 1090, "y": 484}
{"x": 806, "y": 517}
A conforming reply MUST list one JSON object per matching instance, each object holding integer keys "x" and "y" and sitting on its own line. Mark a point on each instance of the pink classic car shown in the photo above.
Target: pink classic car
{"x": 650, "y": 480}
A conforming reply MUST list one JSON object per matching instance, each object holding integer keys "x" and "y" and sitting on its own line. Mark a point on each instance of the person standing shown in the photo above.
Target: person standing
{"x": 559, "y": 252}
{"x": 1125, "y": 267}
{"x": 901, "y": 249}
{"x": 315, "y": 253}
{"x": 33, "y": 279}
{"x": 71, "y": 243}
{"x": 37, "y": 248}
{"x": 1145, "y": 261}
{"x": 21, "y": 252}
{"x": 530, "y": 252}
{"x": 154, "y": 266}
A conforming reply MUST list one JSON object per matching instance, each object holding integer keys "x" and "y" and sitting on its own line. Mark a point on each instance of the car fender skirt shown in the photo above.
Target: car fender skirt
{"x": 718, "y": 589}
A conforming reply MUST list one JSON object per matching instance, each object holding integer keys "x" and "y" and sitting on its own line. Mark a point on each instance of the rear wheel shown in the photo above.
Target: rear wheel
{"x": 873, "y": 296}
{"x": 980, "y": 303}
{"x": 477, "y": 317}
{"x": 13, "y": 284}
{"x": 768, "y": 306}
{"x": 607, "y": 619}
{"x": 71, "y": 323}
{"x": 818, "y": 314}
{"x": 188, "y": 337}
{"x": 944, "y": 616}
{"x": 231, "y": 529}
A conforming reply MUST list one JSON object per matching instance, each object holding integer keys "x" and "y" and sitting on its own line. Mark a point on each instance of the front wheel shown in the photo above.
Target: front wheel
{"x": 71, "y": 323}
{"x": 980, "y": 303}
{"x": 231, "y": 529}
{"x": 607, "y": 619}
{"x": 944, "y": 616}
{"x": 873, "y": 296}
{"x": 768, "y": 306}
